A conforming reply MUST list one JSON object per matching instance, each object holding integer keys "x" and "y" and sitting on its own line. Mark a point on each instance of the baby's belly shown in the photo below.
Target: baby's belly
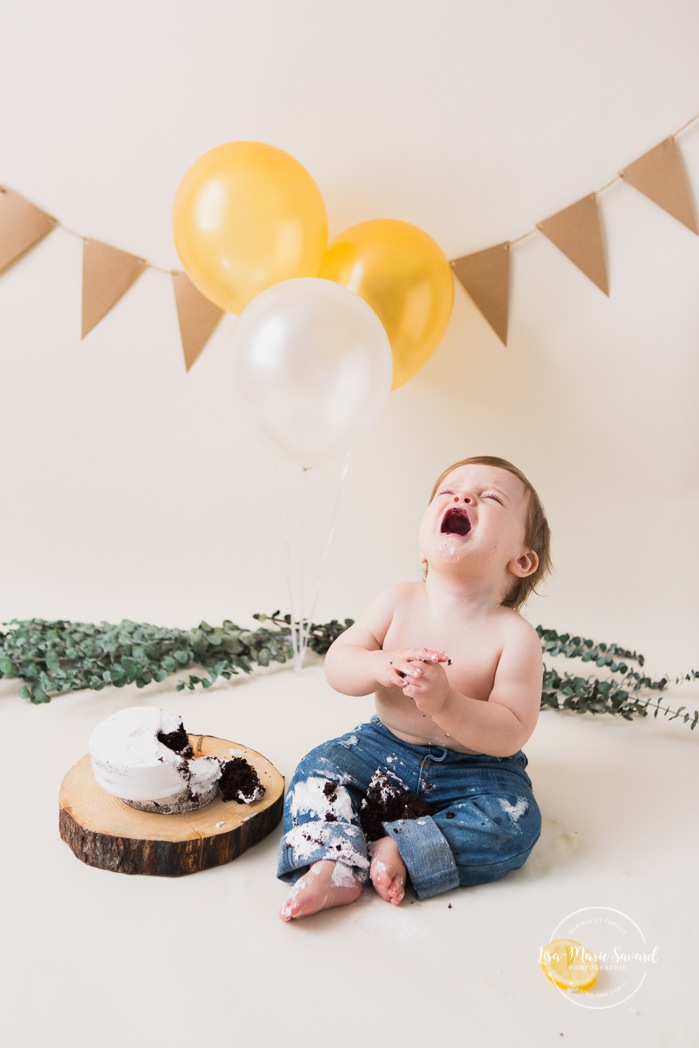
{"x": 401, "y": 716}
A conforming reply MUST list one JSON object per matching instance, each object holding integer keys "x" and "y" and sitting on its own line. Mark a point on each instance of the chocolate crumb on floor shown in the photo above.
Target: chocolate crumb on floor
{"x": 385, "y": 802}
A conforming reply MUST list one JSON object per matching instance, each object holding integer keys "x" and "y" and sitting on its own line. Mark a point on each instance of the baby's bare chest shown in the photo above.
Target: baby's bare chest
{"x": 474, "y": 650}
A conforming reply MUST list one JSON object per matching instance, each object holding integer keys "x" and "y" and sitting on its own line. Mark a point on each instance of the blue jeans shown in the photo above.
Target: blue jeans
{"x": 484, "y": 822}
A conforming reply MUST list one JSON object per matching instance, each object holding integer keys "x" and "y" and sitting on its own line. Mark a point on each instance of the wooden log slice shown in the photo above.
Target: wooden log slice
{"x": 106, "y": 832}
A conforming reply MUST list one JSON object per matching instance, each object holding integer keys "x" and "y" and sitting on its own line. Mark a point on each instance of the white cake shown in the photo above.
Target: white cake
{"x": 132, "y": 763}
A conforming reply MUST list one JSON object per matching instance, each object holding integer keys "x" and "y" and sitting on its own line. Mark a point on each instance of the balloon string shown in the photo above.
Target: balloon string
{"x": 289, "y": 581}
{"x": 302, "y": 625}
{"x": 295, "y": 575}
{"x": 292, "y": 610}
{"x": 328, "y": 543}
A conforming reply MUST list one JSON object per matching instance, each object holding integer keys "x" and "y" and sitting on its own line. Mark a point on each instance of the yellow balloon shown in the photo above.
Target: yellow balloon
{"x": 246, "y": 216}
{"x": 405, "y": 277}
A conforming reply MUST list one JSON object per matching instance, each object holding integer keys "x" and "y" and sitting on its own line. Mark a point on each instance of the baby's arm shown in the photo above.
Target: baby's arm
{"x": 356, "y": 663}
{"x": 501, "y": 725}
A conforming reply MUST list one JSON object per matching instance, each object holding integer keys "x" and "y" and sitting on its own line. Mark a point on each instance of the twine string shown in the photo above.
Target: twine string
{"x": 516, "y": 240}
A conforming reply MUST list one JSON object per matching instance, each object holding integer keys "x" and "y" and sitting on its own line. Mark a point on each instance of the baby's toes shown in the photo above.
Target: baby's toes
{"x": 396, "y": 890}
{"x": 382, "y": 879}
{"x": 381, "y": 874}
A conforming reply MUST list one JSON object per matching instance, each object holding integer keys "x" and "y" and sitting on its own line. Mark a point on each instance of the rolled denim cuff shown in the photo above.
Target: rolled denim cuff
{"x": 426, "y": 854}
{"x": 312, "y": 841}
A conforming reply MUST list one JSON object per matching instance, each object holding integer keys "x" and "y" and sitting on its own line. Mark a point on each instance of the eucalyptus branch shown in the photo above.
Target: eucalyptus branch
{"x": 554, "y": 643}
{"x": 617, "y": 693}
{"x": 53, "y": 657}
{"x": 319, "y": 637}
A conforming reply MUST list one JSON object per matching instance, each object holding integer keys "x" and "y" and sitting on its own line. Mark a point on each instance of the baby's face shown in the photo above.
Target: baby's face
{"x": 477, "y": 510}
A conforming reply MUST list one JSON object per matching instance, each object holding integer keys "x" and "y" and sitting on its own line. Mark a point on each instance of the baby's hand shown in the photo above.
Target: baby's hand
{"x": 407, "y": 665}
{"x": 429, "y": 690}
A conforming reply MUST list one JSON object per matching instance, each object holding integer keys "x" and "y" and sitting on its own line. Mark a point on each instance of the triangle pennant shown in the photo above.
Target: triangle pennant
{"x": 577, "y": 232}
{"x": 22, "y": 225}
{"x": 197, "y": 317}
{"x": 660, "y": 175}
{"x": 107, "y": 274}
{"x": 486, "y": 277}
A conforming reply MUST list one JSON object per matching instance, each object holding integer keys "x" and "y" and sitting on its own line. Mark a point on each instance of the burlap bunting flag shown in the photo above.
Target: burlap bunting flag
{"x": 22, "y": 225}
{"x": 197, "y": 317}
{"x": 486, "y": 277}
{"x": 107, "y": 274}
{"x": 577, "y": 232}
{"x": 660, "y": 175}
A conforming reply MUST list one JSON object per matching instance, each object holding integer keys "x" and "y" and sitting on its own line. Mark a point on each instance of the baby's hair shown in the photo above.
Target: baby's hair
{"x": 537, "y": 534}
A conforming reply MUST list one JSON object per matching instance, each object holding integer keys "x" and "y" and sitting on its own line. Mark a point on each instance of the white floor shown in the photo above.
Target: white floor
{"x": 90, "y": 957}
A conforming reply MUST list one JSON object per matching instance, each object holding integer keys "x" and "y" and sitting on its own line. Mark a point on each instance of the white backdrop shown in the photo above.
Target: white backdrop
{"x": 130, "y": 488}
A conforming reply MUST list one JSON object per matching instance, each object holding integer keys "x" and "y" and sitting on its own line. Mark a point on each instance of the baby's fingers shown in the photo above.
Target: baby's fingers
{"x": 402, "y": 671}
{"x": 435, "y": 656}
{"x": 413, "y": 689}
{"x": 424, "y": 655}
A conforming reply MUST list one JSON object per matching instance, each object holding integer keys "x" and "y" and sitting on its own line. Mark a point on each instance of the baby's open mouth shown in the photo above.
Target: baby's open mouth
{"x": 455, "y": 522}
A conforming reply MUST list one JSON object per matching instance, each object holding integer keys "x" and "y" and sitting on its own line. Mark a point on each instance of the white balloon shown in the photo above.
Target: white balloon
{"x": 312, "y": 367}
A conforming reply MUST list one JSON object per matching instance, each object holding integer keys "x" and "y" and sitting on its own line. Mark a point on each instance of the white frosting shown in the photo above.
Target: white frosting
{"x": 129, "y": 762}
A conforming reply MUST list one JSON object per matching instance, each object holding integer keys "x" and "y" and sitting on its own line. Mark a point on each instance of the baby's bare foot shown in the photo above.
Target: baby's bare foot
{"x": 387, "y": 870}
{"x": 326, "y": 884}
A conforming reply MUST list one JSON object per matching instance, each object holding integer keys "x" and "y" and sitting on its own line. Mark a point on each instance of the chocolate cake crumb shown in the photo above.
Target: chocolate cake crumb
{"x": 177, "y": 741}
{"x": 451, "y": 815}
{"x": 239, "y": 781}
{"x": 386, "y": 801}
{"x": 330, "y": 791}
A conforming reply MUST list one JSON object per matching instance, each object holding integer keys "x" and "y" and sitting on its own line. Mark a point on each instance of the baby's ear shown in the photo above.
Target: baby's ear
{"x": 525, "y": 564}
